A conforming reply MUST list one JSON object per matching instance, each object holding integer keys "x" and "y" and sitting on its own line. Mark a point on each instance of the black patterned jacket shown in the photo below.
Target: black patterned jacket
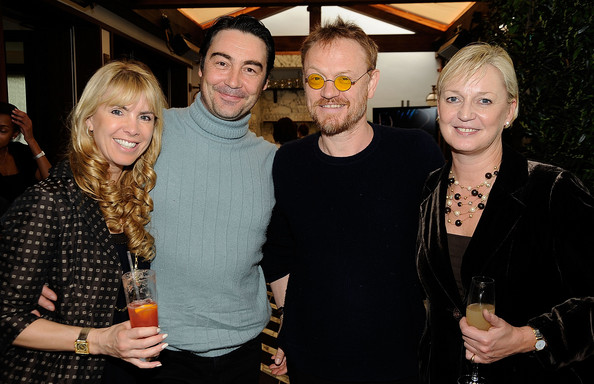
{"x": 55, "y": 234}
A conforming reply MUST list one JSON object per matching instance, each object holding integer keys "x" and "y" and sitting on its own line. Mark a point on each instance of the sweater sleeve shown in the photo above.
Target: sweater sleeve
{"x": 280, "y": 246}
{"x": 568, "y": 328}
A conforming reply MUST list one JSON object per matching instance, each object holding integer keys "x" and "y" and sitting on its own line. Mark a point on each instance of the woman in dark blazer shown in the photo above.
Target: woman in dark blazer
{"x": 73, "y": 231}
{"x": 528, "y": 225}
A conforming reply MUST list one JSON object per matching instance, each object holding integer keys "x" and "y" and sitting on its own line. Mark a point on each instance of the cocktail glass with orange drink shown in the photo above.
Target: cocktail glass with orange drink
{"x": 140, "y": 286}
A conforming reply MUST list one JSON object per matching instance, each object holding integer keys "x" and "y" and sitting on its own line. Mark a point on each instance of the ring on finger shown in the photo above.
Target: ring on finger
{"x": 472, "y": 358}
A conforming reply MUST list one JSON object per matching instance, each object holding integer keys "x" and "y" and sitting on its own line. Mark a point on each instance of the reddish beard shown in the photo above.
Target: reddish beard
{"x": 333, "y": 125}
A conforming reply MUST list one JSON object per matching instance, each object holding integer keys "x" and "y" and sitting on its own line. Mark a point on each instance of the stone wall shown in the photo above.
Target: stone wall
{"x": 276, "y": 103}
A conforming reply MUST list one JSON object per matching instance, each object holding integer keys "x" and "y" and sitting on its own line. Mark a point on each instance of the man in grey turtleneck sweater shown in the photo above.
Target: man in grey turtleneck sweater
{"x": 213, "y": 201}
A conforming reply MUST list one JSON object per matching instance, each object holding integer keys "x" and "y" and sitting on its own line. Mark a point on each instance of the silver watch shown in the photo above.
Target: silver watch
{"x": 540, "y": 341}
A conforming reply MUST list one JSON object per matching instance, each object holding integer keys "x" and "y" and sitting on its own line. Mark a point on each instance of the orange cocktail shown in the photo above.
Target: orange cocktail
{"x": 143, "y": 313}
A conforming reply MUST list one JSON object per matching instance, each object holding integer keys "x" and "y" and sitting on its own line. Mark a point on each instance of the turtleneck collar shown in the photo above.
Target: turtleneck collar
{"x": 214, "y": 126}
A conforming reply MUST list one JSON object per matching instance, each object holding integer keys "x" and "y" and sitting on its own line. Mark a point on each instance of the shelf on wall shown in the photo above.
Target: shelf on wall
{"x": 275, "y": 91}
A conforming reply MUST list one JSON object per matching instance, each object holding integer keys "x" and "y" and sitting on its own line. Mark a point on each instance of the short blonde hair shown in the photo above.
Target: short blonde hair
{"x": 126, "y": 204}
{"x": 473, "y": 58}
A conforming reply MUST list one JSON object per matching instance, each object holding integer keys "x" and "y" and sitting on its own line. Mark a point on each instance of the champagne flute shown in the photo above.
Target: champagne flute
{"x": 480, "y": 297}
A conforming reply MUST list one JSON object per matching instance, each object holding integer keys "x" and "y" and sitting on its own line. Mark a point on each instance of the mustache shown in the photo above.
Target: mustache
{"x": 229, "y": 91}
{"x": 336, "y": 100}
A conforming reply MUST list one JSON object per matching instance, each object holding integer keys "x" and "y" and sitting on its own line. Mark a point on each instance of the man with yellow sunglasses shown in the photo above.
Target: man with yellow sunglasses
{"x": 341, "y": 241}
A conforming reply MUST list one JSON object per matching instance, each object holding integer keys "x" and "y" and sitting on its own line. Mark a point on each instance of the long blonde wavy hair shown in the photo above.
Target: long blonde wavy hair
{"x": 126, "y": 203}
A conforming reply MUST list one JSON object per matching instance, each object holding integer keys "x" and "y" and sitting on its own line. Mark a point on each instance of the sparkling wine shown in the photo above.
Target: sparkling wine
{"x": 474, "y": 315}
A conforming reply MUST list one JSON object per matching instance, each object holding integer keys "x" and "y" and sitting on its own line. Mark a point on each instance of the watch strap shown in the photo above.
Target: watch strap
{"x": 81, "y": 345}
{"x": 84, "y": 333}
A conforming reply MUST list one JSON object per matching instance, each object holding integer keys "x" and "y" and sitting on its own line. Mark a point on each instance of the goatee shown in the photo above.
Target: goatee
{"x": 334, "y": 125}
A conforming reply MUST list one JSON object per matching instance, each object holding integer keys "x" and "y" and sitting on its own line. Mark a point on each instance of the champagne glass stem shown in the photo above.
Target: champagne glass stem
{"x": 474, "y": 378}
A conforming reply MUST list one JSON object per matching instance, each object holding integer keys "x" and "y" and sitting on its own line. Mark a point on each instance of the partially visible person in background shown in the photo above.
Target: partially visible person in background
{"x": 20, "y": 165}
{"x": 285, "y": 130}
{"x": 74, "y": 231}
{"x": 302, "y": 131}
{"x": 528, "y": 225}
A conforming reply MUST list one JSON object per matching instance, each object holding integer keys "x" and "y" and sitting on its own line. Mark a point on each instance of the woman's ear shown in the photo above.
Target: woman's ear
{"x": 512, "y": 110}
{"x": 89, "y": 124}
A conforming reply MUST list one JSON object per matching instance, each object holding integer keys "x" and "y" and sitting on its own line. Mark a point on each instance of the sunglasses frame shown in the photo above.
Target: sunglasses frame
{"x": 353, "y": 82}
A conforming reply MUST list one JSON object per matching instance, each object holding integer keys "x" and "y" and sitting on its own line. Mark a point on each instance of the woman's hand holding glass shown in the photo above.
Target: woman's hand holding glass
{"x": 500, "y": 341}
{"x": 481, "y": 300}
{"x": 120, "y": 340}
{"x": 130, "y": 344}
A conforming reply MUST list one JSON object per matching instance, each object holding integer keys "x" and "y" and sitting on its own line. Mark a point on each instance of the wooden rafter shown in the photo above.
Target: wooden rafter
{"x": 264, "y": 3}
{"x": 427, "y": 33}
{"x": 257, "y": 12}
{"x": 399, "y": 18}
{"x": 386, "y": 43}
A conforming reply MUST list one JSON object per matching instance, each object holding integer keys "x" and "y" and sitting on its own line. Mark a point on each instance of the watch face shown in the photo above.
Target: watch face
{"x": 540, "y": 344}
{"x": 81, "y": 347}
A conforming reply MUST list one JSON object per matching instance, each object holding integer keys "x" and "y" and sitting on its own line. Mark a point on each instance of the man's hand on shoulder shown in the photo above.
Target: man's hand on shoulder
{"x": 46, "y": 300}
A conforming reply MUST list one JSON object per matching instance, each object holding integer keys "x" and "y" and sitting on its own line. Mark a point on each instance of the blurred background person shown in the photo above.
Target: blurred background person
{"x": 493, "y": 213}
{"x": 73, "y": 231}
{"x": 284, "y": 130}
{"x": 20, "y": 165}
{"x": 302, "y": 131}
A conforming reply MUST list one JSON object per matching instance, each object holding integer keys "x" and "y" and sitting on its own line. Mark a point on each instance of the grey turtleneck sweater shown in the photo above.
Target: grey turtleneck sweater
{"x": 213, "y": 200}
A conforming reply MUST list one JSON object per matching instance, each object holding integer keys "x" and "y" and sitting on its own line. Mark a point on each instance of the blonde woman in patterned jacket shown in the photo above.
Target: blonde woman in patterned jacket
{"x": 72, "y": 232}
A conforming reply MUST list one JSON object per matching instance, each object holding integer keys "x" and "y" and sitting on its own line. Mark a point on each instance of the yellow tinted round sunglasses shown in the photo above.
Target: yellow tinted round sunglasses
{"x": 341, "y": 82}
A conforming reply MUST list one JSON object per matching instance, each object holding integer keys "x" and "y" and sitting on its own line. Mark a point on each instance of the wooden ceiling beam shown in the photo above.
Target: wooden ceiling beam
{"x": 179, "y": 22}
{"x": 428, "y": 33}
{"x": 399, "y": 18}
{"x": 468, "y": 19}
{"x": 263, "y": 3}
{"x": 386, "y": 43}
{"x": 406, "y": 43}
{"x": 264, "y": 12}
{"x": 150, "y": 19}
{"x": 258, "y": 13}
{"x": 315, "y": 16}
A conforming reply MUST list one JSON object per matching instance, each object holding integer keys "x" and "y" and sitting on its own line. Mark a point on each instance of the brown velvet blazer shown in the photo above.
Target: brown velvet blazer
{"x": 535, "y": 239}
{"x": 57, "y": 235}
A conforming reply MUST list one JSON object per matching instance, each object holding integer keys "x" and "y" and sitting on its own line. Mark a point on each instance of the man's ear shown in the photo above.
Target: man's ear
{"x": 373, "y": 81}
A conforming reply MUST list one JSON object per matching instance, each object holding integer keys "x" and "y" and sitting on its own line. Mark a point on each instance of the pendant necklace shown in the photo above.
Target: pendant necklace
{"x": 462, "y": 205}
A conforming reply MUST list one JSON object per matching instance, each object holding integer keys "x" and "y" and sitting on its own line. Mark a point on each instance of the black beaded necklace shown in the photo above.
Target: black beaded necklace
{"x": 475, "y": 199}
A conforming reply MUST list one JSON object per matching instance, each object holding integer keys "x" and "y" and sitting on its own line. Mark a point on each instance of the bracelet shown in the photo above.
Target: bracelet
{"x": 40, "y": 154}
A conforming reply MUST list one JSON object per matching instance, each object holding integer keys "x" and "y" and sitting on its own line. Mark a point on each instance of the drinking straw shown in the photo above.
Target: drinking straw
{"x": 130, "y": 262}
{"x": 133, "y": 271}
